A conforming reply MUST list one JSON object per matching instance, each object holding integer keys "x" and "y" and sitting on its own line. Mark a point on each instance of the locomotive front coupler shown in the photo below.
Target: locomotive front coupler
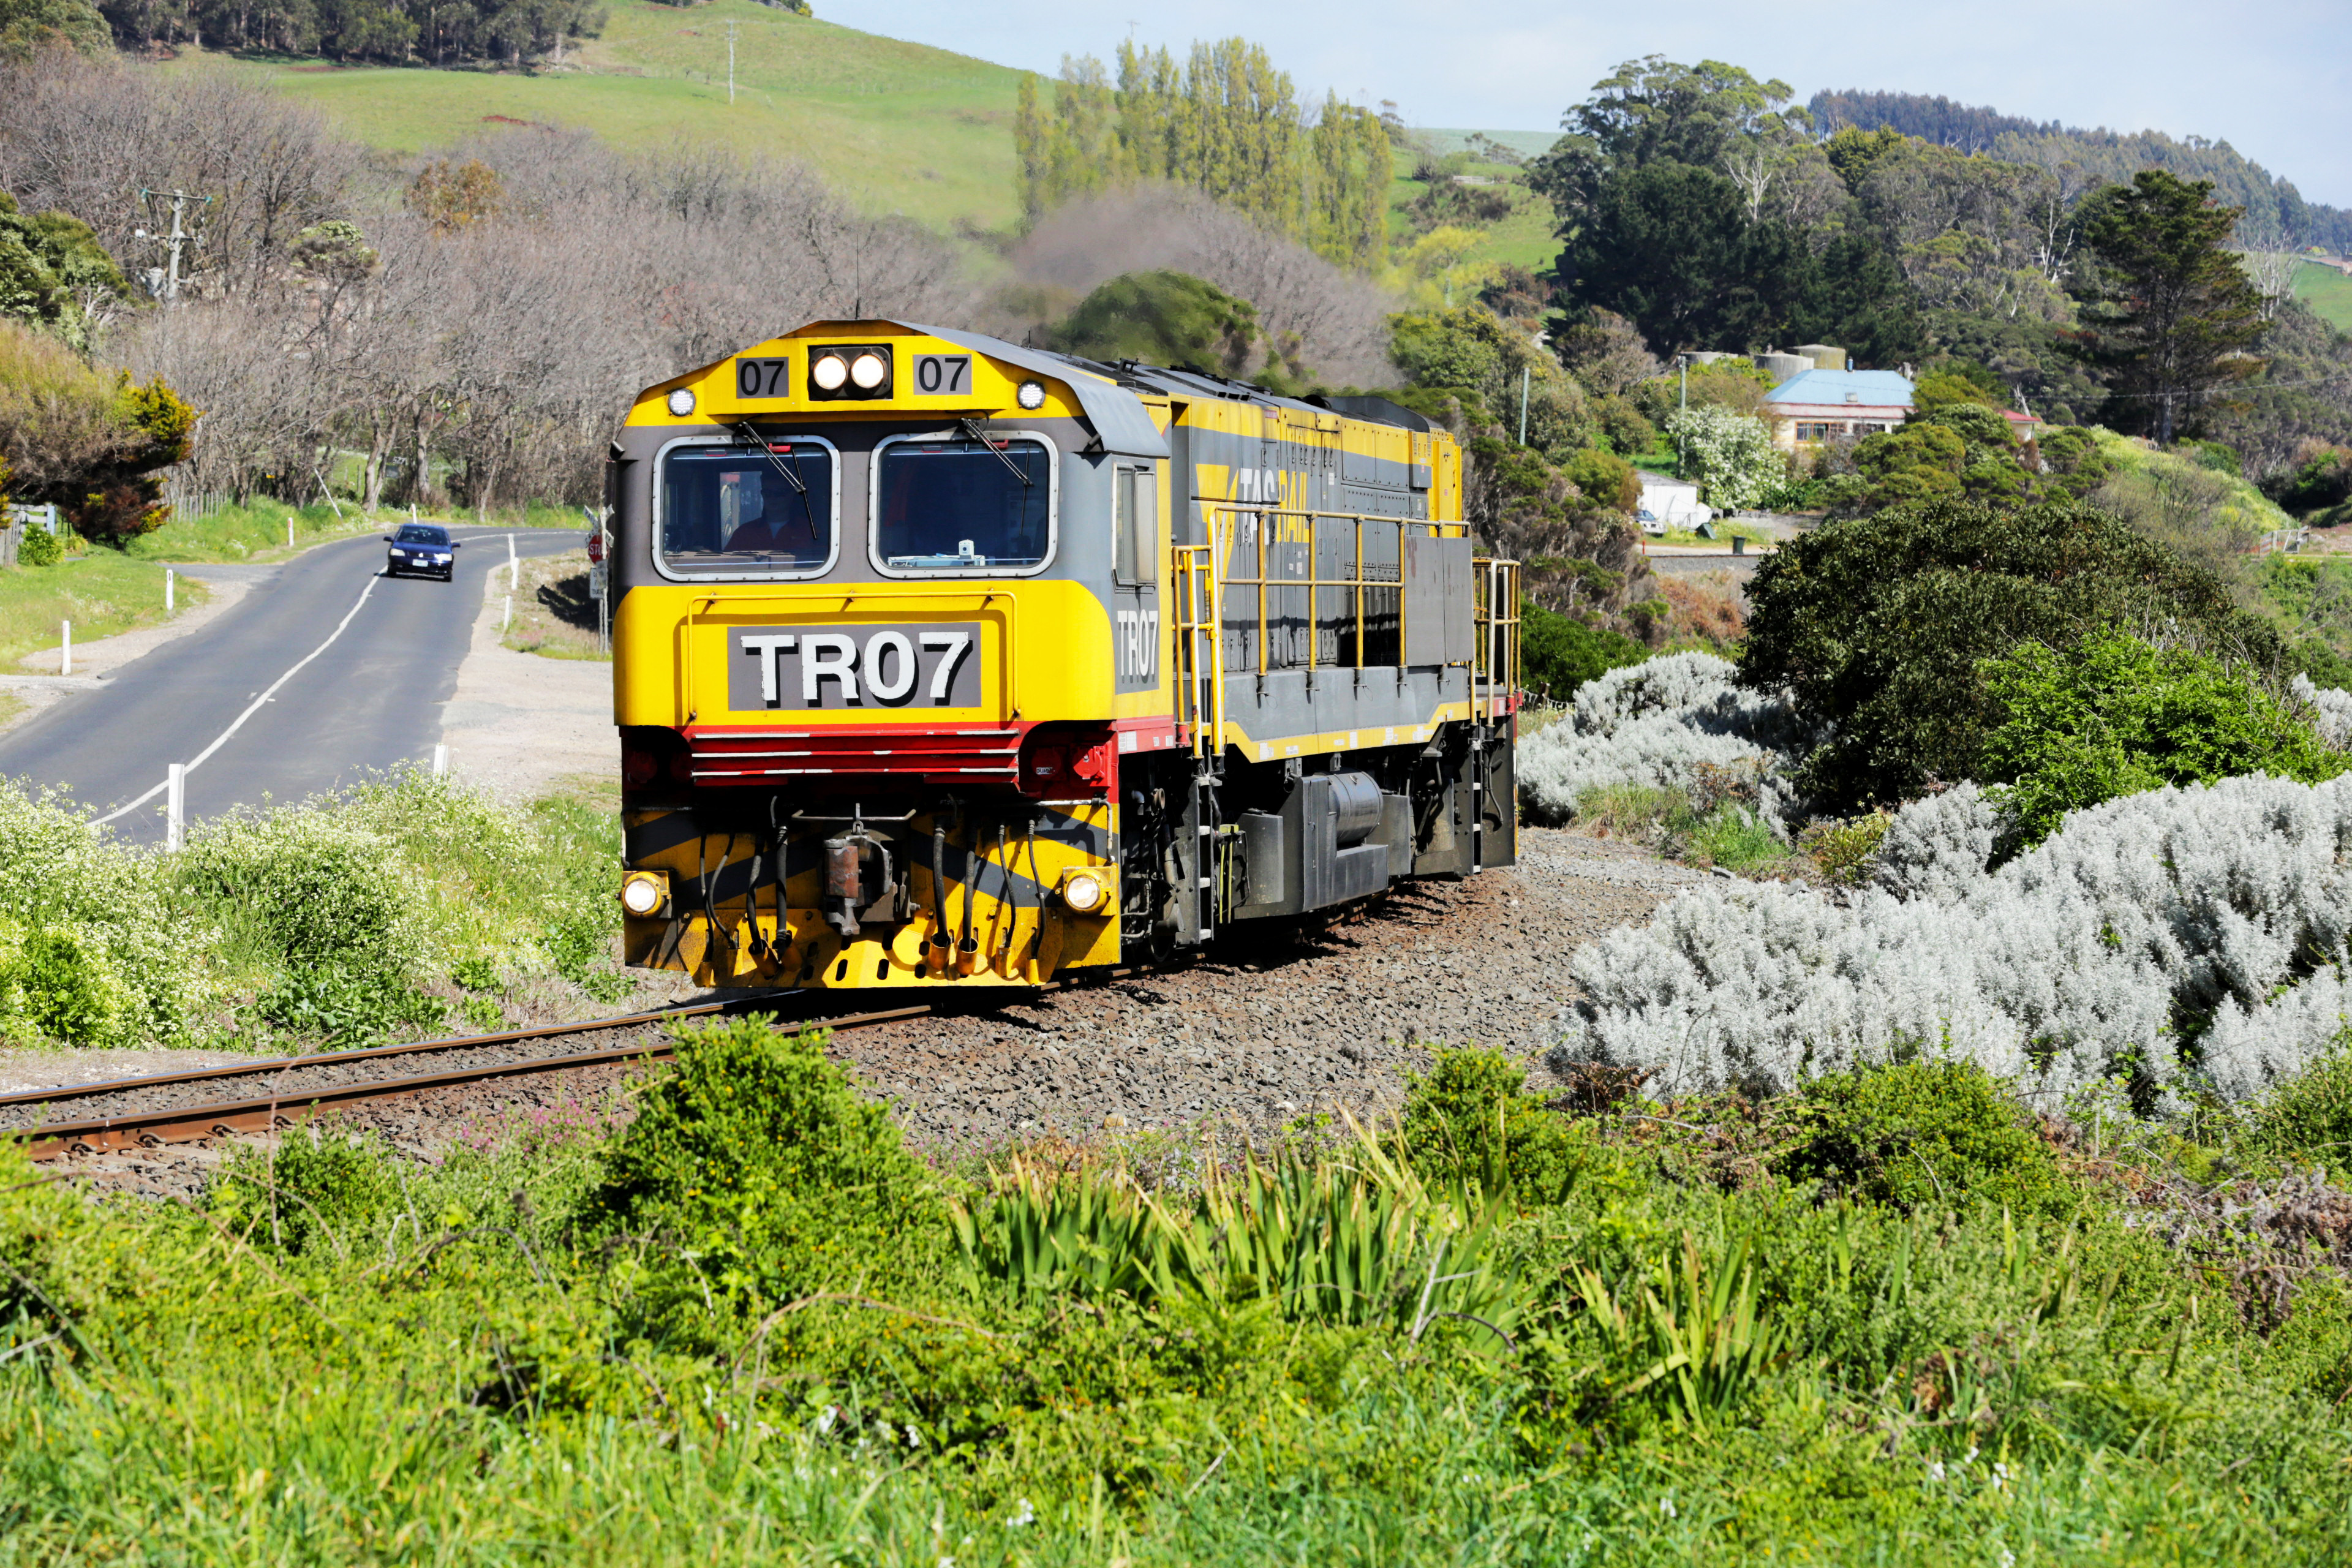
{"x": 849, "y": 897}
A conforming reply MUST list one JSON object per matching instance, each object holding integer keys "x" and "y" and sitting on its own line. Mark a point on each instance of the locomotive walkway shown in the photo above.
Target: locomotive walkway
{"x": 378, "y": 657}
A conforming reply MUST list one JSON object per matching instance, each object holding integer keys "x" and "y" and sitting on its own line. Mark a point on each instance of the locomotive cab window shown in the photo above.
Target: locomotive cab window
{"x": 737, "y": 510}
{"x": 957, "y": 507}
{"x": 1135, "y": 527}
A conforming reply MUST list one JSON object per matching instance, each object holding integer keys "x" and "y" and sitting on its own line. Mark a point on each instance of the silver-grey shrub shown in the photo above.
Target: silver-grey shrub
{"x": 1936, "y": 847}
{"x": 2184, "y": 937}
{"x": 2331, "y": 709}
{"x": 1657, "y": 724}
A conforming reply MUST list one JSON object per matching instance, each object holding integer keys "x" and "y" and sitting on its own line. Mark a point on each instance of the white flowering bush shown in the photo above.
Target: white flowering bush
{"x": 311, "y": 884}
{"x": 92, "y": 950}
{"x": 2331, "y": 709}
{"x": 1731, "y": 455}
{"x": 331, "y": 919}
{"x": 1657, "y": 724}
{"x": 2184, "y": 937}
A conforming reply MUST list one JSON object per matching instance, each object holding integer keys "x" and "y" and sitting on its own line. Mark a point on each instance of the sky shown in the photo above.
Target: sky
{"x": 2276, "y": 84}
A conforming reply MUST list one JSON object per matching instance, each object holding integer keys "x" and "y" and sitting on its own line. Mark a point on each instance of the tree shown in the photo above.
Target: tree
{"x": 1877, "y": 627}
{"x": 1664, "y": 245}
{"x": 30, "y": 25}
{"x": 89, "y": 442}
{"x": 2170, "y": 312}
{"x": 53, "y": 272}
{"x": 1164, "y": 318}
{"x": 1652, "y": 111}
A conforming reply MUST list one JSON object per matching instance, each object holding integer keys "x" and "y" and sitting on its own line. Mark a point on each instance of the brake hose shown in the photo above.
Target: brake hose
{"x": 939, "y": 937}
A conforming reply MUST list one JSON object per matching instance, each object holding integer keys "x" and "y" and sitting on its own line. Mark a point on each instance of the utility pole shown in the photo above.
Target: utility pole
{"x": 166, "y": 286}
{"x": 730, "y": 62}
{"x": 1524, "y": 372}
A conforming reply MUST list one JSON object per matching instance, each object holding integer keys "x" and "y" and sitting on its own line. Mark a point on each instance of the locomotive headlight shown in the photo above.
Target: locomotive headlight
{"x": 645, "y": 893}
{"x": 867, "y": 370}
{"x": 1031, "y": 394}
{"x": 1082, "y": 891}
{"x": 681, "y": 403}
{"x": 829, "y": 372}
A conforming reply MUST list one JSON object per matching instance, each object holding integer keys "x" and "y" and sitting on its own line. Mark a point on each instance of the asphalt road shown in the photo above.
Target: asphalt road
{"x": 382, "y": 656}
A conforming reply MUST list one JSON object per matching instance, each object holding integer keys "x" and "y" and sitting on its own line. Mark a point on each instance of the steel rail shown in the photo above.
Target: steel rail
{"x": 328, "y": 1058}
{"x": 187, "y": 1124}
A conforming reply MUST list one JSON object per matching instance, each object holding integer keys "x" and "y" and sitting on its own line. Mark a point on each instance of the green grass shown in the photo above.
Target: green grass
{"x": 101, "y": 592}
{"x": 893, "y": 126}
{"x": 1740, "y": 1333}
{"x": 2327, "y": 292}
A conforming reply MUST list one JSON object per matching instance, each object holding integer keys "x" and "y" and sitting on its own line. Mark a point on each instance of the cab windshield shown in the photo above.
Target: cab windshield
{"x": 744, "y": 508}
{"x": 955, "y": 506}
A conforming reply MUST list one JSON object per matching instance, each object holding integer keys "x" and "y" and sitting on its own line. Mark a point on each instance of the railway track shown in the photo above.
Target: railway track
{"x": 170, "y": 1108}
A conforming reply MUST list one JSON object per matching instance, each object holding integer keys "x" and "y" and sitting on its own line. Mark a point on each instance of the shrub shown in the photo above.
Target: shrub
{"x": 318, "y": 888}
{"x": 1470, "y": 1118}
{"x": 1876, "y": 627}
{"x": 1842, "y": 850}
{"x": 2185, "y": 939}
{"x": 345, "y": 1007}
{"x": 1921, "y": 1134}
{"x": 767, "y": 1170}
{"x": 2113, "y": 716}
{"x": 67, "y": 989}
{"x": 1937, "y": 848}
{"x": 316, "y": 1185}
{"x": 1605, "y": 478}
{"x": 117, "y": 963}
{"x": 1558, "y": 653}
{"x": 39, "y": 547}
{"x": 2308, "y": 1119}
{"x": 1659, "y": 724}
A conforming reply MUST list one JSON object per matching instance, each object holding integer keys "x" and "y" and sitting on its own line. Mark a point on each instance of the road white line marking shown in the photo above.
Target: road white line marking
{"x": 251, "y": 707}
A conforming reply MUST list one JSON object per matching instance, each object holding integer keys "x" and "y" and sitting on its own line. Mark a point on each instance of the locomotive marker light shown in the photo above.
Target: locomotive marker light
{"x": 1031, "y": 394}
{"x": 681, "y": 403}
{"x": 645, "y": 893}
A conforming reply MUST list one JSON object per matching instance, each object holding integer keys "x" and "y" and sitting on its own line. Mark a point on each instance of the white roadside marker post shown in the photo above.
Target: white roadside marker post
{"x": 514, "y": 566}
{"x": 507, "y": 620}
{"x": 290, "y": 530}
{"x": 175, "y": 807}
{"x": 440, "y": 761}
{"x": 167, "y": 589}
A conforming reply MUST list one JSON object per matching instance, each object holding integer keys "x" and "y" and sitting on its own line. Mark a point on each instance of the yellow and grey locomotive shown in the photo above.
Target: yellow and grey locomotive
{"x": 940, "y": 660}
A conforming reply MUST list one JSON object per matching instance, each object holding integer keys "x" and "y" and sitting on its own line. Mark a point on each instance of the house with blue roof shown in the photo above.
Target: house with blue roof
{"x": 1817, "y": 405}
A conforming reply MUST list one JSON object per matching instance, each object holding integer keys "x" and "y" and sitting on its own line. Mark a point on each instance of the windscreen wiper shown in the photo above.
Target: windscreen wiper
{"x": 808, "y": 508}
{"x": 792, "y": 479}
{"x": 970, "y": 428}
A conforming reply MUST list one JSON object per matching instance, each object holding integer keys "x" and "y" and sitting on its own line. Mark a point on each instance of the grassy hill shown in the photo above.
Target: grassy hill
{"x": 894, "y": 127}
{"x": 2327, "y": 291}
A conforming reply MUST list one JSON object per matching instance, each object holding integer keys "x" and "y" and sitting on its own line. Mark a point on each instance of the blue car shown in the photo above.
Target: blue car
{"x": 420, "y": 547}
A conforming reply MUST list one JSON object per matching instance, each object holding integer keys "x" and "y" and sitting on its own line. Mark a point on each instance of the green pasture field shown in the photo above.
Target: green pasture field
{"x": 893, "y": 126}
{"x": 102, "y": 593}
{"x": 2327, "y": 292}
